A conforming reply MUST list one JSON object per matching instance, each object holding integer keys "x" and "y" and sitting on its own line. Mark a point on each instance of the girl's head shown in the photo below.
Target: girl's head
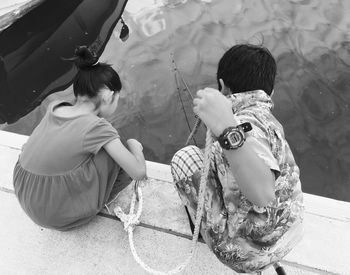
{"x": 247, "y": 67}
{"x": 96, "y": 81}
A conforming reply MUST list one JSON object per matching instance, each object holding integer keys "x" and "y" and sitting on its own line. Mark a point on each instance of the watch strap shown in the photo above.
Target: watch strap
{"x": 246, "y": 126}
{"x": 240, "y": 129}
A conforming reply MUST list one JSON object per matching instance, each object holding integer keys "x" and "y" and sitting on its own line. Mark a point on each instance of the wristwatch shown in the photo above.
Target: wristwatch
{"x": 234, "y": 137}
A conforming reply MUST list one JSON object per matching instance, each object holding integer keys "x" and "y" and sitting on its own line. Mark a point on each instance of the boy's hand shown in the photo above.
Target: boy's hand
{"x": 214, "y": 109}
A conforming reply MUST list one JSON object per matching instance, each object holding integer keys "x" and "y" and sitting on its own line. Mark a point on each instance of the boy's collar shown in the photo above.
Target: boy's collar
{"x": 247, "y": 99}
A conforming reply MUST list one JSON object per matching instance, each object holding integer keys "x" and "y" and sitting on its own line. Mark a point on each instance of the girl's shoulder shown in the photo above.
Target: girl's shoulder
{"x": 81, "y": 120}
{"x": 87, "y": 123}
{"x": 98, "y": 124}
{"x": 98, "y": 134}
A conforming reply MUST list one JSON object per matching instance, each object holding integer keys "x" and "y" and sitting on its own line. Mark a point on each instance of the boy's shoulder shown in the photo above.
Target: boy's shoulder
{"x": 261, "y": 118}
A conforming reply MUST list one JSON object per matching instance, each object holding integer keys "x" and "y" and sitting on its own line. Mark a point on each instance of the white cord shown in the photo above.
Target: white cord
{"x": 132, "y": 219}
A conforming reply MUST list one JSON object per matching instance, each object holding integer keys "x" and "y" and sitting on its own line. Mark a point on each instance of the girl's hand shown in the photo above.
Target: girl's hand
{"x": 214, "y": 109}
{"x": 134, "y": 145}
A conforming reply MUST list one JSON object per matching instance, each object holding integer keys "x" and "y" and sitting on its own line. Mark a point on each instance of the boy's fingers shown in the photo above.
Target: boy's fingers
{"x": 200, "y": 93}
{"x": 197, "y": 109}
{"x": 210, "y": 90}
{"x": 196, "y": 101}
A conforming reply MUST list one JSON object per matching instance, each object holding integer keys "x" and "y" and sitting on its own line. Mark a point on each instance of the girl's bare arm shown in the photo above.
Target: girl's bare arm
{"x": 132, "y": 160}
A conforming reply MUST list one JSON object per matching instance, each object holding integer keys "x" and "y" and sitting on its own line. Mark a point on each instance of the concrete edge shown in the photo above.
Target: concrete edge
{"x": 12, "y": 140}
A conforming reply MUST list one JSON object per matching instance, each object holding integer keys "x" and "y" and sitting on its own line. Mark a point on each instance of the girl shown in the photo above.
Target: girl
{"x": 66, "y": 171}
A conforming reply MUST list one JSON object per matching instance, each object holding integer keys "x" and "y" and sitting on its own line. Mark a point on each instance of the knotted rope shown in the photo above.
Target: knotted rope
{"x": 132, "y": 219}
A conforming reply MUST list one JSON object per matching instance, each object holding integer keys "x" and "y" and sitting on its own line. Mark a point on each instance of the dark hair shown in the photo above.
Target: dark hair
{"x": 247, "y": 67}
{"x": 93, "y": 75}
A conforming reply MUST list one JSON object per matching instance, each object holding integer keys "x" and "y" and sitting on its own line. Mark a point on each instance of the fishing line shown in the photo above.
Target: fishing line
{"x": 198, "y": 121}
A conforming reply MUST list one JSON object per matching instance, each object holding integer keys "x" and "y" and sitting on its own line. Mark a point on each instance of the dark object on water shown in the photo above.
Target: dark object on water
{"x": 124, "y": 32}
{"x": 32, "y": 47}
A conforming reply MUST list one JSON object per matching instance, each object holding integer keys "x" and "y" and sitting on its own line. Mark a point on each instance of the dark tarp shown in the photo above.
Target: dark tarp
{"x": 32, "y": 47}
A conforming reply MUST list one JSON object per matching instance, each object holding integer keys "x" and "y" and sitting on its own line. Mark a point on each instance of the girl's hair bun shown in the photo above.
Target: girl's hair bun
{"x": 84, "y": 57}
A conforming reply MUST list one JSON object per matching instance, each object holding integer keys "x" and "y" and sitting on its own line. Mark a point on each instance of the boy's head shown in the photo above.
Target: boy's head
{"x": 247, "y": 67}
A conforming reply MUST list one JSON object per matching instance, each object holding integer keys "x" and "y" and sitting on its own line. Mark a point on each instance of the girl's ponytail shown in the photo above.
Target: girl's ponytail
{"x": 92, "y": 75}
{"x": 84, "y": 58}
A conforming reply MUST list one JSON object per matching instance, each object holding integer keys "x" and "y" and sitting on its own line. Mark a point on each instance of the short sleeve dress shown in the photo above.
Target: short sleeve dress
{"x": 63, "y": 176}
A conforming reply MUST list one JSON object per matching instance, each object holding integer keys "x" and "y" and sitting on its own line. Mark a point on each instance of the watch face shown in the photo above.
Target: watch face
{"x": 235, "y": 138}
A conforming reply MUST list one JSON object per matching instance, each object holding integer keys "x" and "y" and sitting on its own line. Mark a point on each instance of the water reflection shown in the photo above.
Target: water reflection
{"x": 310, "y": 40}
{"x": 31, "y": 49}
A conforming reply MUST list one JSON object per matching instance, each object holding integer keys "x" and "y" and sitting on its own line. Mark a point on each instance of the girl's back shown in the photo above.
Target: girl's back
{"x": 62, "y": 178}
{"x": 60, "y": 144}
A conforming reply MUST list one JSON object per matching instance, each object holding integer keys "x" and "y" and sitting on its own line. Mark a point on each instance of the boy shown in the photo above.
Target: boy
{"x": 253, "y": 204}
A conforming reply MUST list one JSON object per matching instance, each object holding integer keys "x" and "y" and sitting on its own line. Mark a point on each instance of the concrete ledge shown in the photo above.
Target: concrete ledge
{"x": 12, "y": 140}
{"x": 164, "y": 228}
{"x": 101, "y": 247}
